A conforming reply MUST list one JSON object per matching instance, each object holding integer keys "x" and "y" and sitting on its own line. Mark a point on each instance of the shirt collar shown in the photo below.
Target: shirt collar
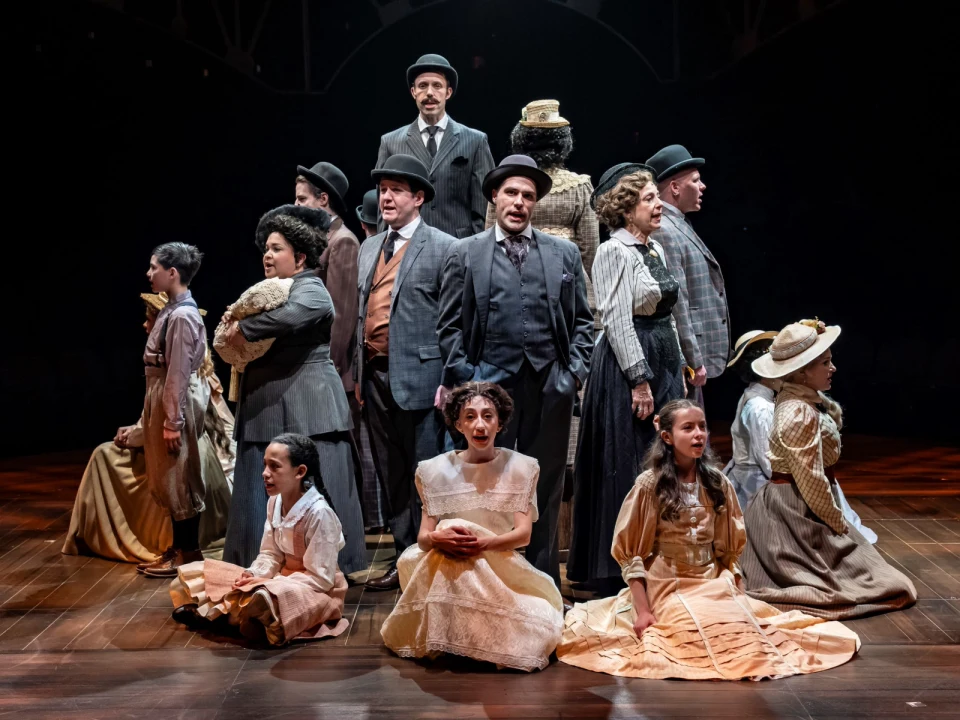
{"x": 441, "y": 123}
{"x": 756, "y": 389}
{"x": 801, "y": 391}
{"x": 501, "y": 235}
{"x": 625, "y": 237}
{"x": 296, "y": 512}
{"x": 407, "y": 231}
{"x": 175, "y": 299}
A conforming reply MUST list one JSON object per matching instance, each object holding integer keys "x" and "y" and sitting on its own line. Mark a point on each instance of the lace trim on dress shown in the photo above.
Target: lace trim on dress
{"x": 563, "y": 179}
{"x": 446, "y": 491}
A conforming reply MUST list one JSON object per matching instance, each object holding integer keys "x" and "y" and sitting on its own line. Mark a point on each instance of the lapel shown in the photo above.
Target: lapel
{"x": 481, "y": 251}
{"x": 415, "y": 144}
{"x": 416, "y": 244}
{"x": 552, "y": 272}
{"x": 451, "y": 137}
{"x": 681, "y": 224}
{"x": 369, "y": 263}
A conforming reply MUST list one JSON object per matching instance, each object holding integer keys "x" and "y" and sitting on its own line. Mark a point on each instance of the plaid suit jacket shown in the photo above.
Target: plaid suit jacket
{"x": 338, "y": 271}
{"x": 415, "y": 359}
{"x": 457, "y": 172}
{"x": 703, "y": 320}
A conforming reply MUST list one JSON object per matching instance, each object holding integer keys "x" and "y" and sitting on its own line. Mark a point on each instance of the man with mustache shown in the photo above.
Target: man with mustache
{"x": 458, "y": 157}
{"x": 703, "y": 320}
{"x": 400, "y": 359}
{"x": 514, "y": 311}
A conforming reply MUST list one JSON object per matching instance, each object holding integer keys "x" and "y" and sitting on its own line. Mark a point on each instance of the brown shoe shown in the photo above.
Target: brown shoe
{"x": 167, "y": 554}
{"x": 388, "y": 581}
{"x": 168, "y": 568}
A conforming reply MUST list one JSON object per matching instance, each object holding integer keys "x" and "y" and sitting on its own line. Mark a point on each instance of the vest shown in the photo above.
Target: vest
{"x": 376, "y": 327}
{"x": 518, "y": 320}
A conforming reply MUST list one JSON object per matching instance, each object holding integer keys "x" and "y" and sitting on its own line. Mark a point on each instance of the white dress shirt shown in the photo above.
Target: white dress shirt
{"x": 501, "y": 235}
{"x": 406, "y": 232}
{"x": 441, "y": 123}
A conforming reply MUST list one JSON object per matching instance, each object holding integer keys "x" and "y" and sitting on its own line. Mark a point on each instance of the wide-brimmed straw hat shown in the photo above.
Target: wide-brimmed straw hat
{"x": 158, "y": 301}
{"x": 795, "y": 347}
{"x": 748, "y": 339}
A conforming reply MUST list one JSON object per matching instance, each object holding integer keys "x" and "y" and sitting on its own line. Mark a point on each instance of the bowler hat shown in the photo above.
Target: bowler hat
{"x": 609, "y": 180}
{"x": 331, "y": 180}
{"x": 512, "y": 166}
{"x": 671, "y": 160}
{"x": 433, "y": 63}
{"x": 408, "y": 168}
{"x": 367, "y": 213}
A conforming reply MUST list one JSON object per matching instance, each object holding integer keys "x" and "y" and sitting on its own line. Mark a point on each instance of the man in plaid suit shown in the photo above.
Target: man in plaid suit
{"x": 703, "y": 321}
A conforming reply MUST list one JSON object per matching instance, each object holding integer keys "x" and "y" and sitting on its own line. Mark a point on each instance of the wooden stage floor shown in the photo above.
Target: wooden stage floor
{"x": 82, "y": 637}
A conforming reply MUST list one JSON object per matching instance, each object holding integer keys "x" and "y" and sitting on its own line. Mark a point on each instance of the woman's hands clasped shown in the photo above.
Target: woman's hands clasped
{"x": 458, "y": 542}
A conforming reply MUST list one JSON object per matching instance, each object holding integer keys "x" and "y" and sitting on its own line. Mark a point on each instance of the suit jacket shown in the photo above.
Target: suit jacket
{"x": 294, "y": 387}
{"x": 457, "y": 172}
{"x": 703, "y": 320}
{"x": 338, "y": 270}
{"x": 415, "y": 358}
{"x": 465, "y": 300}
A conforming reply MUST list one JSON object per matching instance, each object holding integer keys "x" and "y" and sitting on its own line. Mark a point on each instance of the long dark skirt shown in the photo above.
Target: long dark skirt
{"x": 613, "y": 442}
{"x": 248, "y": 509}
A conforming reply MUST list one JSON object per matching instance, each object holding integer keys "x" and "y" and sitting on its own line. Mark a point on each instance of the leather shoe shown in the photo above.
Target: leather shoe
{"x": 188, "y": 615}
{"x": 168, "y": 568}
{"x": 167, "y": 554}
{"x": 390, "y": 580}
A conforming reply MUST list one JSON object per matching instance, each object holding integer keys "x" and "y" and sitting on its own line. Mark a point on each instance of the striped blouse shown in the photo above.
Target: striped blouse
{"x": 630, "y": 279}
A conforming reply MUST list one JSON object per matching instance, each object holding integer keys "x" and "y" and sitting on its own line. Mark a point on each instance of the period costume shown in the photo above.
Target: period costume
{"x": 514, "y": 311}
{"x": 461, "y": 159}
{"x": 636, "y": 296}
{"x": 703, "y": 320}
{"x": 801, "y": 552}
{"x": 706, "y": 628}
{"x": 294, "y": 387}
{"x": 301, "y": 591}
{"x": 494, "y": 607}
{"x": 400, "y": 271}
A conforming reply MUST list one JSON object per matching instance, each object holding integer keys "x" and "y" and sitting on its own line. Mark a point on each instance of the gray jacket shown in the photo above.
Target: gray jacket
{"x": 457, "y": 172}
{"x": 415, "y": 358}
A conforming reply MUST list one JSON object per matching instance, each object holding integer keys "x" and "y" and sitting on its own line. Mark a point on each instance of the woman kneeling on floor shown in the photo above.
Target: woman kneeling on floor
{"x": 465, "y": 589}
{"x": 293, "y": 590}
{"x": 684, "y": 614}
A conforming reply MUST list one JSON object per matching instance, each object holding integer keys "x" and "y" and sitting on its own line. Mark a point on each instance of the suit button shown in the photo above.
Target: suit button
{"x": 723, "y": 322}
{"x": 721, "y": 293}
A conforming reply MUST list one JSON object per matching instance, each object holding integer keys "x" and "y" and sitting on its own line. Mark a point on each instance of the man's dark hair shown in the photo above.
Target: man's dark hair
{"x": 185, "y": 258}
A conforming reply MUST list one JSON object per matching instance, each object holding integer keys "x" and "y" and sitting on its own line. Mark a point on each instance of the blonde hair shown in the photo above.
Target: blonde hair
{"x": 614, "y": 204}
{"x": 206, "y": 367}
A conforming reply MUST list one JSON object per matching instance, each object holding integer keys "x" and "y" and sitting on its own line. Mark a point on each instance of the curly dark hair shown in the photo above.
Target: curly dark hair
{"x": 614, "y": 204}
{"x": 660, "y": 459}
{"x": 753, "y": 351}
{"x": 461, "y": 395}
{"x": 550, "y": 147}
{"x": 303, "y": 227}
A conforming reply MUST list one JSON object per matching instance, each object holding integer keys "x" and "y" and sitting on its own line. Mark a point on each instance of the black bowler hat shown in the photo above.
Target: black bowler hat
{"x": 331, "y": 180}
{"x": 671, "y": 160}
{"x": 408, "y": 168}
{"x": 512, "y": 166}
{"x": 367, "y": 213}
{"x": 433, "y": 63}
{"x": 609, "y": 180}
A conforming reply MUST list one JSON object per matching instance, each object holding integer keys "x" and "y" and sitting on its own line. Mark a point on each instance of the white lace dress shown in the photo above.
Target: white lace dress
{"x": 495, "y": 607}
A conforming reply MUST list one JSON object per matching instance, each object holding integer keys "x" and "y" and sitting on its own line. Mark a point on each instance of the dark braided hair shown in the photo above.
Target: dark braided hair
{"x": 660, "y": 459}
{"x": 550, "y": 147}
{"x": 463, "y": 394}
{"x": 303, "y": 451}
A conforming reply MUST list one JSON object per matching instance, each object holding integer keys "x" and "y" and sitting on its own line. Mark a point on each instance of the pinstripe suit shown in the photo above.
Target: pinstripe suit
{"x": 294, "y": 387}
{"x": 703, "y": 320}
{"x": 456, "y": 173}
{"x": 399, "y": 390}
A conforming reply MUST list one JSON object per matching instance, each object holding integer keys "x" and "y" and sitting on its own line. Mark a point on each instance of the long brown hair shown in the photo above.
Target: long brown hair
{"x": 660, "y": 459}
{"x": 215, "y": 429}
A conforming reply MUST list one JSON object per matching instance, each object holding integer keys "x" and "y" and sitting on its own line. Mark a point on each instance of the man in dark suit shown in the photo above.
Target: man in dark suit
{"x": 703, "y": 320}
{"x": 401, "y": 363}
{"x": 513, "y": 310}
{"x": 458, "y": 157}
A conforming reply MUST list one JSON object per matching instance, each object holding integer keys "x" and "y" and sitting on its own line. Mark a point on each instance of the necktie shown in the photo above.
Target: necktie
{"x": 389, "y": 245}
{"x": 517, "y": 248}
{"x": 432, "y": 130}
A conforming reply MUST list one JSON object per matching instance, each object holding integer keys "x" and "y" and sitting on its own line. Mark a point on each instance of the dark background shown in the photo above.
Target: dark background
{"x": 828, "y": 129}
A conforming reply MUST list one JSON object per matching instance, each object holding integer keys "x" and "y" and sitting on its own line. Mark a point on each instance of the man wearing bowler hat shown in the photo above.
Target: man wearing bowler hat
{"x": 703, "y": 321}
{"x": 458, "y": 157}
{"x": 401, "y": 360}
{"x": 367, "y": 213}
{"x": 513, "y": 310}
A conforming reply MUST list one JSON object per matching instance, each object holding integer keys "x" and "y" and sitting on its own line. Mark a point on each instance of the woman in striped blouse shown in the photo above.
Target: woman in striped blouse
{"x": 635, "y": 370}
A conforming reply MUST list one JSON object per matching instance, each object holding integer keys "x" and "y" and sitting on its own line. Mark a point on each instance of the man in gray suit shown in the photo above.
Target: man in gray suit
{"x": 401, "y": 362}
{"x": 513, "y": 310}
{"x": 458, "y": 157}
{"x": 703, "y": 321}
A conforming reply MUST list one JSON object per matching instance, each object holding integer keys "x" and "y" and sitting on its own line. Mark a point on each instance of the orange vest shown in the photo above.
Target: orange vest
{"x": 376, "y": 330}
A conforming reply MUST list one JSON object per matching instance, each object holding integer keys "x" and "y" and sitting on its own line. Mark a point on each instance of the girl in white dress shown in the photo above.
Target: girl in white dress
{"x": 466, "y": 590}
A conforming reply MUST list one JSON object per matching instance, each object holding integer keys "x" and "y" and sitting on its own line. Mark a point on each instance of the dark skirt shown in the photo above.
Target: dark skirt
{"x": 613, "y": 442}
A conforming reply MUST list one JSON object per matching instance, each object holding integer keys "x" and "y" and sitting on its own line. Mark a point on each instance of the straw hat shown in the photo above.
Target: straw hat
{"x": 746, "y": 340}
{"x": 542, "y": 114}
{"x": 158, "y": 301}
{"x": 795, "y": 347}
